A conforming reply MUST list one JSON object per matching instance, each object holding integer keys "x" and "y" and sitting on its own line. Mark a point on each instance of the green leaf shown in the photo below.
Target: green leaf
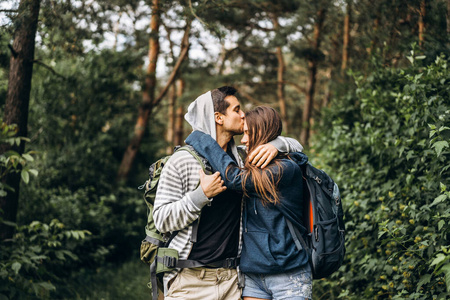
{"x": 441, "y": 224}
{"x": 438, "y": 146}
{"x": 75, "y": 234}
{"x": 60, "y": 255}
{"x": 432, "y": 133}
{"x": 380, "y": 234}
{"x": 439, "y": 199}
{"x": 28, "y": 157}
{"x": 47, "y": 286}
{"x": 34, "y": 172}
{"x": 439, "y": 258}
{"x": 423, "y": 280}
{"x": 446, "y": 269}
{"x": 16, "y": 267}
{"x": 8, "y": 223}
{"x": 25, "y": 176}
{"x": 443, "y": 187}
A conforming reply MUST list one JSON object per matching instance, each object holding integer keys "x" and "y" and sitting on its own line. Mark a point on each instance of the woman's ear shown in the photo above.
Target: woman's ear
{"x": 218, "y": 117}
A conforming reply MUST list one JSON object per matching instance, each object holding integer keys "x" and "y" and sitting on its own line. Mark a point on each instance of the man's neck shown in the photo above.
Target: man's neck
{"x": 223, "y": 138}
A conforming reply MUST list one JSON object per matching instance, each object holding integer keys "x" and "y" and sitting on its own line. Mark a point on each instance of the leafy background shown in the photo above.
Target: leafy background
{"x": 381, "y": 129}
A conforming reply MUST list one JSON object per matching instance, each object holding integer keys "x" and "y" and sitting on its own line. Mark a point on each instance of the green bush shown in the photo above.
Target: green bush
{"x": 32, "y": 260}
{"x": 387, "y": 143}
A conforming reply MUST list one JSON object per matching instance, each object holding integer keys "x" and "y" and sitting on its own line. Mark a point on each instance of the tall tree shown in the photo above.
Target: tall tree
{"x": 280, "y": 78}
{"x": 179, "y": 118}
{"x": 448, "y": 21}
{"x": 148, "y": 95}
{"x": 149, "y": 101}
{"x": 313, "y": 62}
{"x": 18, "y": 99}
{"x": 422, "y": 12}
{"x": 171, "y": 118}
{"x": 346, "y": 40}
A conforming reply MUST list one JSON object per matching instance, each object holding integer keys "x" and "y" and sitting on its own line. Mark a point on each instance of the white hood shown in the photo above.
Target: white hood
{"x": 200, "y": 116}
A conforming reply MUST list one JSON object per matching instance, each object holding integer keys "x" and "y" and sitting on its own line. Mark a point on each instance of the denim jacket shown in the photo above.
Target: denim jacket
{"x": 268, "y": 246}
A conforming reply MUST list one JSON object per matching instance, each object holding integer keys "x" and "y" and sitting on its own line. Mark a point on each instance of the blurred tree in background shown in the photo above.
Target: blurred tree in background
{"x": 362, "y": 84}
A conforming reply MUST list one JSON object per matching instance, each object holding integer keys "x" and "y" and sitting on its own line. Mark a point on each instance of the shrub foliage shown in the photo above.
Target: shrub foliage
{"x": 387, "y": 141}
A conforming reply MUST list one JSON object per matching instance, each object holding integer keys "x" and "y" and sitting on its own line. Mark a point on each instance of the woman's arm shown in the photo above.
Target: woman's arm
{"x": 207, "y": 147}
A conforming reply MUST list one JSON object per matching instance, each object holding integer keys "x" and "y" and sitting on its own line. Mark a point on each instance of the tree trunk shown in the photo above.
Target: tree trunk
{"x": 311, "y": 84}
{"x": 328, "y": 94}
{"x": 148, "y": 96}
{"x": 421, "y": 22}
{"x": 179, "y": 128}
{"x": 448, "y": 22}
{"x": 179, "y": 118}
{"x": 345, "y": 46}
{"x": 17, "y": 101}
{"x": 280, "y": 80}
{"x": 171, "y": 118}
{"x": 149, "y": 101}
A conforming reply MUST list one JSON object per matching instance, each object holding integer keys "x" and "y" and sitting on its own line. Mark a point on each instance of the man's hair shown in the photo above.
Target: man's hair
{"x": 218, "y": 96}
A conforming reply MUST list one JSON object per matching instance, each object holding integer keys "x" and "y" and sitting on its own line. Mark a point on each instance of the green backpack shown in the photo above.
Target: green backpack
{"x": 155, "y": 250}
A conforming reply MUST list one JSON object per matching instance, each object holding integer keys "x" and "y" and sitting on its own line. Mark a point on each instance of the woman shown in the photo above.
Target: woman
{"x": 273, "y": 266}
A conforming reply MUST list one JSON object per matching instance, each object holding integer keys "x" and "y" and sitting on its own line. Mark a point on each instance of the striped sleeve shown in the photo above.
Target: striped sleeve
{"x": 179, "y": 199}
{"x": 287, "y": 145}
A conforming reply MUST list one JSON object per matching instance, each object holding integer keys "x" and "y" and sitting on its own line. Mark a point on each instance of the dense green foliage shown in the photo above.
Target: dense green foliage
{"x": 387, "y": 142}
{"x": 383, "y": 135}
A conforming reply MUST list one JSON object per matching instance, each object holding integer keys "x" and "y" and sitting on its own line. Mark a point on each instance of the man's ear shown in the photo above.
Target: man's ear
{"x": 218, "y": 117}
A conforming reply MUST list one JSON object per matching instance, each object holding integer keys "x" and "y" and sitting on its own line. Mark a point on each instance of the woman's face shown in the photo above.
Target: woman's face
{"x": 245, "y": 138}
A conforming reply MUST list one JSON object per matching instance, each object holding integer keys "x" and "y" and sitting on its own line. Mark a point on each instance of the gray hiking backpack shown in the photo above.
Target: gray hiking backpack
{"x": 325, "y": 242}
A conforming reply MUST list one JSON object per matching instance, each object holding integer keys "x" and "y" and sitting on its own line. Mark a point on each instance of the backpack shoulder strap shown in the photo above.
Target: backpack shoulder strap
{"x": 242, "y": 151}
{"x": 296, "y": 235}
{"x": 201, "y": 160}
{"x": 208, "y": 171}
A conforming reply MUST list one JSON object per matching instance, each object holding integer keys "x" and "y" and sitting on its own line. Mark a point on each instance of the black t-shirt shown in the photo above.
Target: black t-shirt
{"x": 218, "y": 230}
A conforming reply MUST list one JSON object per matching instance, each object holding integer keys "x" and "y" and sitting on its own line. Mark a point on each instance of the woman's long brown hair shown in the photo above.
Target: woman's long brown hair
{"x": 264, "y": 125}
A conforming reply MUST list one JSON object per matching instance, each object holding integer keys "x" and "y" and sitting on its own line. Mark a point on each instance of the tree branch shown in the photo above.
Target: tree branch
{"x": 252, "y": 99}
{"x": 259, "y": 27}
{"x": 13, "y": 52}
{"x": 38, "y": 62}
{"x": 183, "y": 54}
{"x": 195, "y": 15}
{"x": 295, "y": 85}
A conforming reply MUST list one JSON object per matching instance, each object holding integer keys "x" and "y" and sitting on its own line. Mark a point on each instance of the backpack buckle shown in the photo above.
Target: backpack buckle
{"x": 230, "y": 263}
{"x": 169, "y": 261}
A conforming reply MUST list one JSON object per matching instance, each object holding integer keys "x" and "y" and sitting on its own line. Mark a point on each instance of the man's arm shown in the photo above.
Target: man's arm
{"x": 286, "y": 144}
{"x": 178, "y": 200}
{"x": 264, "y": 154}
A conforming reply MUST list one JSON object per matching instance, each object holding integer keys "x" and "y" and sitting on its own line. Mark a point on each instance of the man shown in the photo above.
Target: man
{"x": 180, "y": 201}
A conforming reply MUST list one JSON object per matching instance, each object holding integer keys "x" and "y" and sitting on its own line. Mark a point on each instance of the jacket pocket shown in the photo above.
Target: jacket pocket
{"x": 256, "y": 256}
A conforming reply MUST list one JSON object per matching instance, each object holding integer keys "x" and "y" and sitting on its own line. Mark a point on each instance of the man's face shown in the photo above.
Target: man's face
{"x": 244, "y": 140}
{"x": 233, "y": 120}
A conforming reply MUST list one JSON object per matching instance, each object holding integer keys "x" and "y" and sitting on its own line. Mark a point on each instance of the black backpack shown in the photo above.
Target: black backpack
{"x": 323, "y": 219}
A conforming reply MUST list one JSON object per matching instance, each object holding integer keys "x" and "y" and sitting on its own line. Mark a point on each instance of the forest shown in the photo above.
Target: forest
{"x": 92, "y": 92}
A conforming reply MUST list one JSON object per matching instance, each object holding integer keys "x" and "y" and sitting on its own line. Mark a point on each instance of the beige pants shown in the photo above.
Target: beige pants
{"x": 205, "y": 284}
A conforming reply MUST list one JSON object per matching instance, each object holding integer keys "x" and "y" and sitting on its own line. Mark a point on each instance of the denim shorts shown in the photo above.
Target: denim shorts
{"x": 292, "y": 285}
